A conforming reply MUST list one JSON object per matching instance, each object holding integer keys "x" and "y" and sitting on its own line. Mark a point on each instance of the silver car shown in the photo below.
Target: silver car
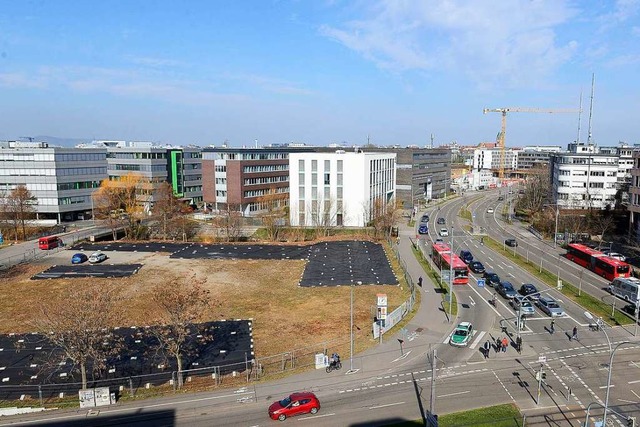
{"x": 550, "y": 307}
{"x": 523, "y": 306}
{"x": 97, "y": 257}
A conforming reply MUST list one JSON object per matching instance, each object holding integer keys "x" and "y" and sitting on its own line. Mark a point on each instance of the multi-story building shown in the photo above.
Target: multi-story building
{"x": 422, "y": 174}
{"x": 61, "y": 179}
{"x": 340, "y": 188}
{"x": 185, "y": 173}
{"x": 624, "y": 152}
{"x": 240, "y": 177}
{"x": 583, "y": 178}
{"x": 634, "y": 197}
{"x": 489, "y": 158}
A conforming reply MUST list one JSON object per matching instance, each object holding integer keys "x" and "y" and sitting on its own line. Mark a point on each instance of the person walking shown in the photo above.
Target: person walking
{"x": 574, "y": 335}
{"x": 420, "y": 281}
{"x": 505, "y": 344}
{"x": 519, "y": 344}
{"x": 487, "y": 349}
{"x": 498, "y": 344}
{"x": 552, "y": 328}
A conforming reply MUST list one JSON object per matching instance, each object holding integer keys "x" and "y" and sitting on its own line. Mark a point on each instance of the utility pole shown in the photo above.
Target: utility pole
{"x": 540, "y": 378}
{"x": 432, "y": 398}
{"x": 451, "y": 277}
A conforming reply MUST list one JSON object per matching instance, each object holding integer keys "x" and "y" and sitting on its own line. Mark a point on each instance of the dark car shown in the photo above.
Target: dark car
{"x": 491, "y": 279}
{"x": 476, "y": 267}
{"x": 506, "y": 290}
{"x": 511, "y": 242}
{"x": 425, "y": 218}
{"x": 295, "y": 404}
{"x": 500, "y": 198}
{"x": 441, "y": 221}
{"x": 79, "y": 258}
{"x": 529, "y": 289}
{"x": 423, "y": 229}
{"x": 466, "y": 256}
{"x": 632, "y": 309}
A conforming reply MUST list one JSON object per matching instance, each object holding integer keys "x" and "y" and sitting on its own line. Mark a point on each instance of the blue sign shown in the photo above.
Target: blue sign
{"x": 481, "y": 283}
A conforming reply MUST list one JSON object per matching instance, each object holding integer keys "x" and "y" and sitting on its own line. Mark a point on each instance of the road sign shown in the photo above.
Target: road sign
{"x": 481, "y": 283}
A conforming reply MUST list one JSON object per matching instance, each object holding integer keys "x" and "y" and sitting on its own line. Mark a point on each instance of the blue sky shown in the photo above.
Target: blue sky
{"x": 318, "y": 72}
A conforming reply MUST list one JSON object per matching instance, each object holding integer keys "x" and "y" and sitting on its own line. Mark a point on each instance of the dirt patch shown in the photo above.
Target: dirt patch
{"x": 285, "y": 316}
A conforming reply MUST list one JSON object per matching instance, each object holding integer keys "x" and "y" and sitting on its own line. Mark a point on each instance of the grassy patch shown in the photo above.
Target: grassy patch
{"x": 594, "y": 305}
{"x": 465, "y": 213}
{"x": 494, "y": 416}
{"x": 435, "y": 278}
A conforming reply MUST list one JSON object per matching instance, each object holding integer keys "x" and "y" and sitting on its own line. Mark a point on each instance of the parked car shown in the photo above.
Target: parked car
{"x": 489, "y": 210}
{"x": 511, "y": 242}
{"x": 491, "y": 278}
{"x": 439, "y": 240}
{"x": 441, "y": 221}
{"x": 425, "y": 218}
{"x": 615, "y": 255}
{"x": 444, "y": 232}
{"x": 522, "y": 305}
{"x": 506, "y": 290}
{"x": 550, "y": 307}
{"x": 500, "y": 198}
{"x": 632, "y": 309}
{"x": 97, "y": 257}
{"x": 423, "y": 229}
{"x": 295, "y": 404}
{"x": 462, "y": 334}
{"x": 466, "y": 256}
{"x": 78, "y": 258}
{"x": 476, "y": 267}
{"x": 529, "y": 289}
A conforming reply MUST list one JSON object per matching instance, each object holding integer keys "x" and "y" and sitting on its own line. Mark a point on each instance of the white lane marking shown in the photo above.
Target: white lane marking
{"x": 316, "y": 417}
{"x": 633, "y": 382}
{"x": 446, "y": 340}
{"x": 472, "y": 301}
{"x": 635, "y": 394}
{"x": 454, "y": 394}
{"x": 384, "y": 406}
{"x": 627, "y": 401}
{"x": 611, "y": 386}
{"x": 490, "y": 259}
{"x": 477, "y": 340}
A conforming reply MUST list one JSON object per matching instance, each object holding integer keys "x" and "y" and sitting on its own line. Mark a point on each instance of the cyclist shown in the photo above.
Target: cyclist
{"x": 335, "y": 359}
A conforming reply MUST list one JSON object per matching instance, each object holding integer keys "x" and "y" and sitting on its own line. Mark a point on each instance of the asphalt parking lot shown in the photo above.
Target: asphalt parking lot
{"x": 88, "y": 270}
{"x": 28, "y": 360}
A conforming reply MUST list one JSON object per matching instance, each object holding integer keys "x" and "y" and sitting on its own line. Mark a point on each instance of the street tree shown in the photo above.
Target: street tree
{"x": 228, "y": 222}
{"x": 324, "y": 212}
{"x": 385, "y": 216}
{"x": 116, "y": 203}
{"x": 79, "y": 325}
{"x": 182, "y": 303}
{"x": 18, "y": 206}
{"x": 537, "y": 192}
{"x": 166, "y": 209}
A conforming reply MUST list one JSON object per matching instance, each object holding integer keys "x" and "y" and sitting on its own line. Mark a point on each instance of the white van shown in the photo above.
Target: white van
{"x": 626, "y": 288}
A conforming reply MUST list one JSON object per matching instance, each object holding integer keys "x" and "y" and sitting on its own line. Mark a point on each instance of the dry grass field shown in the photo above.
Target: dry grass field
{"x": 285, "y": 316}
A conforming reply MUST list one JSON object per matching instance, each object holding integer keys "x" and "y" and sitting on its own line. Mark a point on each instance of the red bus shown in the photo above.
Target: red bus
{"x": 596, "y": 261}
{"x": 49, "y": 242}
{"x": 444, "y": 259}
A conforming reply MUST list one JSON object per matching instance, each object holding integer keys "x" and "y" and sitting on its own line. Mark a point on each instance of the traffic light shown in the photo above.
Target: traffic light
{"x": 631, "y": 422}
{"x": 544, "y": 376}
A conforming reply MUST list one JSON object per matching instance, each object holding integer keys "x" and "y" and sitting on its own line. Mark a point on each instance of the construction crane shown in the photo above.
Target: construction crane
{"x": 504, "y": 111}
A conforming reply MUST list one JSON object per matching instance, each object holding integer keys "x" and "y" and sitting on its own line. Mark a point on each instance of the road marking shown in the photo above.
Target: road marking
{"x": 477, "y": 340}
{"x": 604, "y": 386}
{"x": 633, "y": 382}
{"x": 316, "y": 417}
{"x": 446, "y": 340}
{"x": 454, "y": 394}
{"x": 627, "y": 401}
{"x": 472, "y": 301}
{"x": 387, "y": 405}
{"x": 635, "y": 394}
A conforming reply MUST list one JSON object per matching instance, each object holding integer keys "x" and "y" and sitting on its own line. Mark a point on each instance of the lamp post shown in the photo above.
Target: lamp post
{"x": 555, "y": 235}
{"x": 351, "y": 328}
{"x": 612, "y": 352}
{"x": 451, "y": 277}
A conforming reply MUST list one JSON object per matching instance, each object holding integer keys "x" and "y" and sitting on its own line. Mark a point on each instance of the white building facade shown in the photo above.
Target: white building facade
{"x": 340, "y": 188}
{"x": 583, "y": 178}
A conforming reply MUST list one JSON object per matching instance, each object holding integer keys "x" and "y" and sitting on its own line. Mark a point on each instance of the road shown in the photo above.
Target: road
{"x": 391, "y": 387}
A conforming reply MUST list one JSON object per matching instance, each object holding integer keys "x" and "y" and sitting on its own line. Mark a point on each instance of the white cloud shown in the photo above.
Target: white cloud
{"x": 487, "y": 40}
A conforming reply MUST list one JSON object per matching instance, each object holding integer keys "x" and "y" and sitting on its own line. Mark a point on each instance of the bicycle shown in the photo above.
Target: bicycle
{"x": 333, "y": 366}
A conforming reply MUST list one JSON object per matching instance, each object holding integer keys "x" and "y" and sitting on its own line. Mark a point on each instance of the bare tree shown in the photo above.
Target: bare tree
{"x": 182, "y": 304}
{"x": 79, "y": 326}
{"x": 385, "y": 216}
{"x": 116, "y": 203}
{"x": 18, "y": 207}
{"x": 166, "y": 208}
{"x": 274, "y": 212}
{"x": 603, "y": 223}
{"x": 537, "y": 192}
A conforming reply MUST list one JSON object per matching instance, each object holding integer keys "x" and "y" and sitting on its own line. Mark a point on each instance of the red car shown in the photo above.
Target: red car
{"x": 298, "y": 403}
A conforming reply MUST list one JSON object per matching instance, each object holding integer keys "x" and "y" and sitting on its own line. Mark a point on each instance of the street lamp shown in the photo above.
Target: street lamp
{"x": 612, "y": 352}
{"x": 351, "y": 329}
{"x": 451, "y": 277}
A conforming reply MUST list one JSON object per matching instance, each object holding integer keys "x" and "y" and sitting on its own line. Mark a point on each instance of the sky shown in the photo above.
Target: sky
{"x": 320, "y": 71}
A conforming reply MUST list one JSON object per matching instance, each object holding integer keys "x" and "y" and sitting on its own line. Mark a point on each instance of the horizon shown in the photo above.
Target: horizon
{"x": 322, "y": 73}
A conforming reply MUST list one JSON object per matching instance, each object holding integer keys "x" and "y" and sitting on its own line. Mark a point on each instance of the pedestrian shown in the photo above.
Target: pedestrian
{"x": 552, "y": 328}
{"x": 487, "y": 349}
{"x": 574, "y": 336}
{"x": 420, "y": 281}
{"x": 498, "y": 344}
{"x": 505, "y": 344}
{"x": 519, "y": 344}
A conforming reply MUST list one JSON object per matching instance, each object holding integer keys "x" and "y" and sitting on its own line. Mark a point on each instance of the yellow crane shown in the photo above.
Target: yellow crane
{"x": 504, "y": 111}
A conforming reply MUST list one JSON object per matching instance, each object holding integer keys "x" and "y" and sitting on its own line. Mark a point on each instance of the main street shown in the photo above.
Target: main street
{"x": 390, "y": 386}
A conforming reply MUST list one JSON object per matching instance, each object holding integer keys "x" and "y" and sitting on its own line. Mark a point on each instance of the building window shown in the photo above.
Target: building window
{"x": 339, "y": 165}
{"x": 326, "y": 179}
{"x": 327, "y": 165}
{"x": 314, "y": 179}
{"x": 314, "y": 166}
{"x": 301, "y": 165}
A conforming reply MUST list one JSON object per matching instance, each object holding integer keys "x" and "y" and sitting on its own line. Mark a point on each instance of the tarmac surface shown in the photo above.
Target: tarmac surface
{"x": 88, "y": 270}
{"x": 31, "y": 360}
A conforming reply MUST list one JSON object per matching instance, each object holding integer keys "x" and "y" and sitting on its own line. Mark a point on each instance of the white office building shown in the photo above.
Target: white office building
{"x": 583, "y": 178}
{"x": 340, "y": 188}
{"x": 61, "y": 179}
{"x": 489, "y": 158}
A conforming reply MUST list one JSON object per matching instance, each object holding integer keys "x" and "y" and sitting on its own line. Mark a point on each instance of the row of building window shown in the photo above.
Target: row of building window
{"x": 314, "y": 165}
{"x": 326, "y": 180}
{"x": 263, "y": 180}
{"x": 54, "y": 172}
{"x": 247, "y": 156}
{"x": 260, "y": 193}
{"x": 265, "y": 168}
{"x": 137, "y": 156}
{"x": 137, "y": 167}
{"x": 26, "y": 157}
{"x": 78, "y": 185}
{"x": 221, "y": 168}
